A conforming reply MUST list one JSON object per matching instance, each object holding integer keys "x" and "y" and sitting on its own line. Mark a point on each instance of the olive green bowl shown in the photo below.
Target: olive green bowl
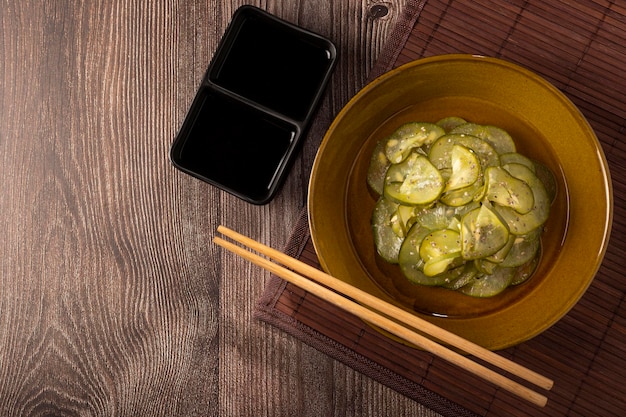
{"x": 546, "y": 126}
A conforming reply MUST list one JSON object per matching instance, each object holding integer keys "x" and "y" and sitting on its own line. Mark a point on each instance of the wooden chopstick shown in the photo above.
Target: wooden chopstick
{"x": 390, "y": 311}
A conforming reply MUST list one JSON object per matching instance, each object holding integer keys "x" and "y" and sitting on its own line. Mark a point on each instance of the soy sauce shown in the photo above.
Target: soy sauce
{"x": 236, "y": 145}
{"x": 274, "y": 66}
{"x": 254, "y": 105}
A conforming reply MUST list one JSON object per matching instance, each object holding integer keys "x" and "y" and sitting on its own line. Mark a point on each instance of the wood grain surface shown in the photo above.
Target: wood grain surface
{"x": 113, "y": 300}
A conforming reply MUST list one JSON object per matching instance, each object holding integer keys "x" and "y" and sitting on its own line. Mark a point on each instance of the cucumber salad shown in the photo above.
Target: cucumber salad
{"x": 458, "y": 206}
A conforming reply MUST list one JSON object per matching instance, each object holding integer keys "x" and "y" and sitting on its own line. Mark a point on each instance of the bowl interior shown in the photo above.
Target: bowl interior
{"x": 545, "y": 126}
{"x": 438, "y": 301}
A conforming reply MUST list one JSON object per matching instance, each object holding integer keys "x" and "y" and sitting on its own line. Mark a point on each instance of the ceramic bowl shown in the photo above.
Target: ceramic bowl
{"x": 546, "y": 126}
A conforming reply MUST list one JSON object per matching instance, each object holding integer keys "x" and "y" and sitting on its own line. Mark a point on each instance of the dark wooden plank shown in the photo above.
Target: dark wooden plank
{"x": 113, "y": 299}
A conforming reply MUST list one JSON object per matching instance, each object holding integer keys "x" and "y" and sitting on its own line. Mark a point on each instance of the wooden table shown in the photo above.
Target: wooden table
{"x": 113, "y": 300}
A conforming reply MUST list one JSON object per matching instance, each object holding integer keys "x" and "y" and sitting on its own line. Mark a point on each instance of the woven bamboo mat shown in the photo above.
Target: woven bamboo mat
{"x": 581, "y": 48}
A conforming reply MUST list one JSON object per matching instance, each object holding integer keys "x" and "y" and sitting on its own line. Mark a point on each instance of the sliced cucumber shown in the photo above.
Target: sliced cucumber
{"x": 518, "y": 223}
{"x": 547, "y": 178}
{"x": 406, "y": 215}
{"x": 504, "y": 189}
{"x": 440, "y": 153}
{"x": 524, "y": 248}
{"x": 465, "y": 168}
{"x": 384, "y": 228}
{"x": 409, "y": 136}
{"x": 436, "y": 217}
{"x": 484, "y": 266}
{"x": 414, "y": 181}
{"x": 468, "y": 273}
{"x": 482, "y": 233}
{"x": 489, "y": 285}
{"x": 450, "y": 122}
{"x": 464, "y": 196}
{"x": 523, "y": 272}
{"x": 379, "y": 164}
{"x": 439, "y": 266}
{"x": 517, "y": 158}
{"x": 462, "y": 210}
{"x": 411, "y": 264}
{"x": 501, "y": 254}
{"x": 440, "y": 250}
{"x": 439, "y": 244}
{"x": 497, "y": 137}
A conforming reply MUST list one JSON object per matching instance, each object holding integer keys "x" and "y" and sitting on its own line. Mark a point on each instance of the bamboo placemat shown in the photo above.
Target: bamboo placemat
{"x": 581, "y": 48}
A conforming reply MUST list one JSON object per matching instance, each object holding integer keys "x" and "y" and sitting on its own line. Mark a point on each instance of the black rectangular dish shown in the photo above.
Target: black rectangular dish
{"x": 254, "y": 105}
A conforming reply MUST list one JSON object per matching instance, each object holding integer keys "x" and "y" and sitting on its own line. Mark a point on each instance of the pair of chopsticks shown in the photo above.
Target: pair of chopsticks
{"x": 401, "y": 324}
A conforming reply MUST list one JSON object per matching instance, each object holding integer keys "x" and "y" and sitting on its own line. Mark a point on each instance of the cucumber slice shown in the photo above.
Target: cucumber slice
{"x": 484, "y": 266}
{"x": 489, "y": 285}
{"x": 500, "y": 255}
{"x": 547, "y": 178}
{"x": 462, "y": 209}
{"x": 523, "y": 272}
{"x": 499, "y": 138}
{"x": 524, "y": 248}
{"x": 379, "y": 164}
{"x": 508, "y": 191}
{"x": 397, "y": 226}
{"x": 412, "y": 265}
{"x": 465, "y": 168}
{"x": 521, "y": 224}
{"x": 439, "y": 244}
{"x": 402, "y": 220}
{"x": 386, "y": 239}
{"x": 439, "y": 250}
{"x": 436, "y": 217}
{"x": 409, "y": 136}
{"x": 406, "y": 216}
{"x": 414, "y": 181}
{"x": 463, "y": 196}
{"x": 517, "y": 158}
{"x": 455, "y": 224}
{"x": 449, "y": 123}
{"x": 438, "y": 266}
{"x": 440, "y": 152}
{"x": 469, "y": 272}
{"x": 482, "y": 233}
